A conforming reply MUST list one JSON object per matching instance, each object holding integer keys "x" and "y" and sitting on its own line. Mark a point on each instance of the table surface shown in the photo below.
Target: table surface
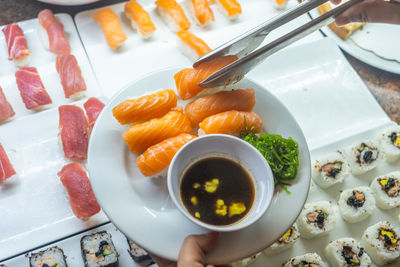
{"x": 383, "y": 85}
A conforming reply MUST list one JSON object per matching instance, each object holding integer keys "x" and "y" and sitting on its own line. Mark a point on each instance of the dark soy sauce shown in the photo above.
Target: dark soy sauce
{"x": 211, "y": 180}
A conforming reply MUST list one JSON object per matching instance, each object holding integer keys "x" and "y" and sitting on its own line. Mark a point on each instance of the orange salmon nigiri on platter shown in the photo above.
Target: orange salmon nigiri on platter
{"x": 187, "y": 80}
{"x": 146, "y": 107}
{"x": 203, "y": 107}
{"x": 173, "y": 15}
{"x": 202, "y": 12}
{"x": 191, "y": 45}
{"x": 141, "y": 136}
{"x": 231, "y": 122}
{"x": 140, "y": 19}
{"x": 157, "y": 158}
{"x": 109, "y": 23}
{"x": 230, "y": 8}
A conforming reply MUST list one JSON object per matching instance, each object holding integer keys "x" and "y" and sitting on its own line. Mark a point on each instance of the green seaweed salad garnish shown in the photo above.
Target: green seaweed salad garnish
{"x": 281, "y": 154}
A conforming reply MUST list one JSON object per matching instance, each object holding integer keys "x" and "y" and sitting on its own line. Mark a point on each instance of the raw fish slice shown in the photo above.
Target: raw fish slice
{"x": 156, "y": 158}
{"x": 71, "y": 77}
{"x": 6, "y": 111}
{"x": 58, "y": 43}
{"x": 141, "y": 136}
{"x": 109, "y": 23}
{"x": 187, "y": 80}
{"x": 173, "y": 15}
{"x": 6, "y": 168}
{"x": 230, "y": 8}
{"x": 81, "y": 197}
{"x": 74, "y": 132}
{"x": 146, "y": 107}
{"x": 139, "y": 19}
{"x": 17, "y": 45}
{"x": 231, "y": 122}
{"x": 192, "y": 46}
{"x": 201, "y": 108}
{"x": 31, "y": 88}
{"x": 201, "y": 10}
{"x": 93, "y": 107}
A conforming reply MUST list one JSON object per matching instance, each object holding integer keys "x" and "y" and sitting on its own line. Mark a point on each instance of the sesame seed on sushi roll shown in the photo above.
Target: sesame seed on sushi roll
{"x": 356, "y": 204}
{"x": 285, "y": 242}
{"x": 98, "y": 250}
{"x": 316, "y": 219}
{"x": 345, "y": 252}
{"x": 306, "y": 260}
{"x": 53, "y": 256}
{"x": 390, "y": 143}
{"x": 330, "y": 170}
{"x": 363, "y": 157}
{"x": 387, "y": 189}
{"x": 381, "y": 242}
{"x": 137, "y": 253}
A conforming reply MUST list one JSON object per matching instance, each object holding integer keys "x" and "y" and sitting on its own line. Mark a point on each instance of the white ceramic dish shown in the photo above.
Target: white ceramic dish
{"x": 69, "y": 2}
{"x": 141, "y": 207}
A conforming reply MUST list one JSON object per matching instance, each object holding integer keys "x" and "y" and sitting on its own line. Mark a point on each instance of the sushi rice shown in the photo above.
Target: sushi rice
{"x": 345, "y": 252}
{"x": 387, "y": 190}
{"x": 390, "y": 143}
{"x": 98, "y": 250}
{"x": 309, "y": 258}
{"x": 168, "y": 20}
{"x": 356, "y": 204}
{"x": 53, "y": 256}
{"x": 285, "y": 242}
{"x": 187, "y": 50}
{"x": 363, "y": 157}
{"x": 247, "y": 261}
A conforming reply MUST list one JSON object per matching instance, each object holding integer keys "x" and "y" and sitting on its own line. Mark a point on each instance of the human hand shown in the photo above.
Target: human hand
{"x": 378, "y": 11}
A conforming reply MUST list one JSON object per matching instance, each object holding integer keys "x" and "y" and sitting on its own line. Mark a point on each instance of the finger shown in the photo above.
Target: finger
{"x": 371, "y": 11}
{"x": 194, "y": 248}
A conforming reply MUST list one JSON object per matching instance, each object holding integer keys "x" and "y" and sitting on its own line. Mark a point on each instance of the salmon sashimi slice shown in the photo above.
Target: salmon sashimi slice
{"x": 139, "y": 19}
{"x": 192, "y": 46}
{"x": 231, "y": 122}
{"x": 146, "y": 107}
{"x": 6, "y": 168}
{"x": 202, "y": 11}
{"x": 57, "y": 41}
{"x": 74, "y": 131}
{"x": 201, "y": 108}
{"x": 156, "y": 158}
{"x": 71, "y": 76}
{"x": 187, "y": 80}
{"x": 80, "y": 193}
{"x": 93, "y": 107}
{"x": 173, "y": 15}
{"x": 31, "y": 88}
{"x": 230, "y": 8}
{"x": 141, "y": 136}
{"x": 109, "y": 23}
{"x": 17, "y": 45}
{"x": 6, "y": 110}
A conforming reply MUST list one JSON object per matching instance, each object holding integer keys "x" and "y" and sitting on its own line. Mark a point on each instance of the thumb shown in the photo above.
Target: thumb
{"x": 377, "y": 11}
{"x": 194, "y": 248}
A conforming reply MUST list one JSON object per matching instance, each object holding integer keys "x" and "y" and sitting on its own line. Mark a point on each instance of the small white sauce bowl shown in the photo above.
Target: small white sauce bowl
{"x": 220, "y": 145}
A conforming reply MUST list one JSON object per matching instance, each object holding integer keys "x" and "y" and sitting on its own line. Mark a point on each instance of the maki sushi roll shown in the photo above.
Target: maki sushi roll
{"x": 137, "y": 253}
{"x": 152, "y": 264}
{"x": 316, "y": 219}
{"x": 247, "y": 261}
{"x": 363, "y": 157}
{"x": 390, "y": 143}
{"x": 285, "y": 242}
{"x": 381, "y": 242}
{"x": 53, "y": 256}
{"x": 306, "y": 260}
{"x": 98, "y": 250}
{"x": 356, "y": 204}
{"x": 346, "y": 252}
{"x": 387, "y": 189}
{"x": 330, "y": 170}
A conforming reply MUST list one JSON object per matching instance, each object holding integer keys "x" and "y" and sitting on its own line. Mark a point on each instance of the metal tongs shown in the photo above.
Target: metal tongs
{"x": 244, "y": 45}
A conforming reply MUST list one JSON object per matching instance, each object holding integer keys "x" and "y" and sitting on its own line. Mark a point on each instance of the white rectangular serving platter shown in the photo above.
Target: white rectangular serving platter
{"x": 33, "y": 206}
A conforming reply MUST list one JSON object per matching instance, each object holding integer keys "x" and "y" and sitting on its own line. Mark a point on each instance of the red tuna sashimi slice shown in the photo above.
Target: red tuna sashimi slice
{"x": 58, "y": 43}
{"x": 6, "y": 111}
{"x": 31, "y": 88}
{"x": 74, "y": 132}
{"x": 71, "y": 77}
{"x": 6, "y": 169}
{"x": 16, "y": 42}
{"x": 93, "y": 107}
{"x": 81, "y": 197}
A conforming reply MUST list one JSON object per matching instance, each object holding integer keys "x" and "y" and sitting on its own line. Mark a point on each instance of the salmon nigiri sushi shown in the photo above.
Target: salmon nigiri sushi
{"x": 109, "y": 23}
{"x": 6, "y": 110}
{"x": 141, "y": 136}
{"x": 140, "y": 19}
{"x": 173, "y": 15}
{"x": 187, "y": 80}
{"x": 230, "y": 8}
{"x": 146, "y": 107}
{"x": 157, "y": 158}
{"x": 203, "y": 107}
{"x": 201, "y": 11}
{"x": 191, "y": 45}
{"x": 231, "y": 122}
{"x": 17, "y": 45}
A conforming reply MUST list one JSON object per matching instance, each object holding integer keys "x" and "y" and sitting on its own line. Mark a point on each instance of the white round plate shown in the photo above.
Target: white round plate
{"x": 376, "y": 44}
{"x": 69, "y": 2}
{"x": 141, "y": 207}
